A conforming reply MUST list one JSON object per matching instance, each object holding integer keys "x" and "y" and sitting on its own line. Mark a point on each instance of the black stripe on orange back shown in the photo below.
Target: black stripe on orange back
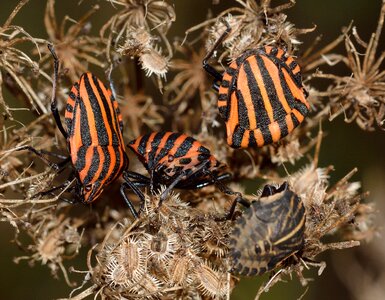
{"x": 69, "y": 108}
{"x": 142, "y": 145}
{"x": 279, "y": 112}
{"x": 154, "y": 147}
{"x": 84, "y": 127}
{"x": 283, "y": 127}
{"x": 296, "y": 77}
{"x": 121, "y": 162}
{"x": 106, "y": 165}
{"x": 93, "y": 167}
{"x": 237, "y": 136}
{"x": 80, "y": 159}
{"x": 185, "y": 147}
{"x": 204, "y": 150}
{"x": 293, "y": 103}
{"x": 252, "y": 140}
{"x": 243, "y": 117}
{"x": 267, "y": 138}
{"x": 108, "y": 106}
{"x": 72, "y": 95}
{"x": 97, "y": 113}
{"x": 231, "y": 71}
{"x": 295, "y": 120}
{"x": 225, "y": 83}
{"x": 168, "y": 146}
{"x": 259, "y": 107}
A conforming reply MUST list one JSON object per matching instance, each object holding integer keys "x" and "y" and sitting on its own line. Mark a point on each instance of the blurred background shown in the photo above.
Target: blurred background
{"x": 350, "y": 274}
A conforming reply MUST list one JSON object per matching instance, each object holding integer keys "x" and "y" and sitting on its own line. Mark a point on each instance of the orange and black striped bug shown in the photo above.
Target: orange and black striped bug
{"x": 94, "y": 138}
{"x": 260, "y": 95}
{"x": 269, "y": 232}
{"x": 178, "y": 160}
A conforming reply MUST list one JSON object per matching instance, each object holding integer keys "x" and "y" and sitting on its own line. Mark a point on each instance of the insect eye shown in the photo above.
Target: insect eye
{"x": 88, "y": 188}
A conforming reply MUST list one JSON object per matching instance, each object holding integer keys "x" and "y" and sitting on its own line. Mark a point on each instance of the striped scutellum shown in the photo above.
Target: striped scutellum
{"x": 269, "y": 232}
{"x": 260, "y": 95}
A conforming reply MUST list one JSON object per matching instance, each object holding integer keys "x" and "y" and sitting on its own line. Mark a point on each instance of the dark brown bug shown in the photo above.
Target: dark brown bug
{"x": 269, "y": 231}
{"x": 177, "y": 160}
{"x": 260, "y": 95}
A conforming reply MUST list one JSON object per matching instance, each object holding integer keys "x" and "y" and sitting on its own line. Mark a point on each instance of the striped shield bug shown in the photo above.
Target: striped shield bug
{"x": 260, "y": 95}
{"x": 94, "y": 138}
{"x": 177, "y": 160}
{"x": 268, "y": 232}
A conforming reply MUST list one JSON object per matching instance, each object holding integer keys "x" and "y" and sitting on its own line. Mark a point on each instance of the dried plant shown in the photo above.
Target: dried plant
{"x": 73, "y": 42}
{"x": 17, "y": 67}
{"x": 129, "y": 32}
{"x": 360, "y": 94}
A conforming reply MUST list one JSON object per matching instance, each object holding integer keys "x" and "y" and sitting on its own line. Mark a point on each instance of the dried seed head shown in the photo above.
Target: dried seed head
{"x": 153, "y": 62}
{"x": 163, "y": 245}
{"x": 180, "y": 270}
{"x": 212, "y": 283}
{"x": 148, "y": 287}
{"x": 136, "y": 41}
{"x": 125, "y": 264}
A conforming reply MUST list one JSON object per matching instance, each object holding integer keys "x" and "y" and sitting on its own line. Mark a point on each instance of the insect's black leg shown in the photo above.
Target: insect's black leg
{"x": 209, "y": 69}
{"x": 182, "y": 176}
{"x": 239, "y": 199}
{"x": 137, "y": 176}
{"x": 129, "y": 185}
{"x": 40, "y": 154}
{"x": 204, "y": 183}
{"x": 54, "y": 109}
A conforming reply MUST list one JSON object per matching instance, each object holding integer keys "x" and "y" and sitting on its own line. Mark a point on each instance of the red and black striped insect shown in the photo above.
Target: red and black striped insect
{"x": 260, "y": 95}
{"x": 177, "y": 160}
{"x": 94, "y": 137}
{"x": 269, "y": 232}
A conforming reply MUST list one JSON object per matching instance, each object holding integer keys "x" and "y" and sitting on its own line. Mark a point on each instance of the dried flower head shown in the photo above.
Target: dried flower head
{"x": 18, "y": 68}
{"x": 159, "y": 255}
{"x": 73, "y": 42}
{"x": 360, "y": 94}
{"x": 129, "y": 32}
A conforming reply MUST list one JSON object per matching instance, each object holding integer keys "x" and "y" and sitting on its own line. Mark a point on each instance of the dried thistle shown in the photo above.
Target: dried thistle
{"x": 159, "y": 255}
{"x": 19, "y": 66}
{"x": 73, "y": 42}
{"x": 140, "y": 17}
{"x": 360, "y": 95}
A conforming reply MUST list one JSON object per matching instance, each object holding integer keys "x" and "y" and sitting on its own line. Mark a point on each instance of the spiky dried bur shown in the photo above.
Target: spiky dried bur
{"x": 129, "y": 32}
{"x": 54, "y": 236}
{"x": 20, "y": 68}
{"x": 167, "y": 253}
{"x": 73, "y": 43}
{"x": 360, "y": 94}
{"x": 253, "y": 24}
{"x": 191, "y": 78}
{"x": 16, "y": 167}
